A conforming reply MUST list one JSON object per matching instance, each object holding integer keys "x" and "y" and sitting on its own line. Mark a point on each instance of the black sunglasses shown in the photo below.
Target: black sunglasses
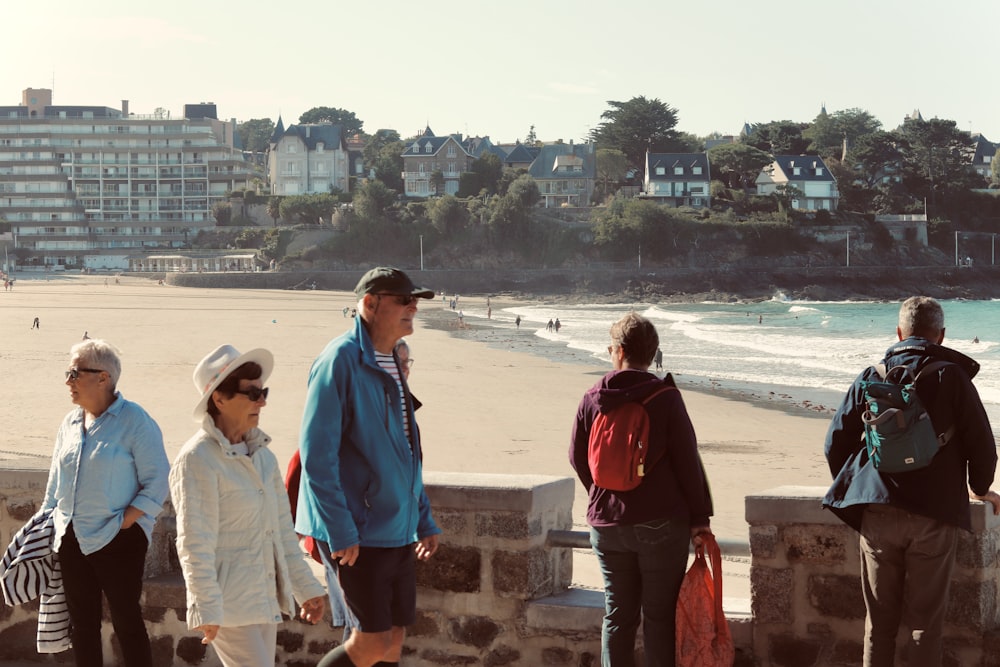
{"x": 254, "y": 393}
{"x": 401, "y": 299}
{"x": 74, "y": 373}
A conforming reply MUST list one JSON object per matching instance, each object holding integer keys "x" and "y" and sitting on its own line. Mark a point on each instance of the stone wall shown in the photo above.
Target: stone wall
{"x": 806, "y": 587}
{"x": 475, "y": 597}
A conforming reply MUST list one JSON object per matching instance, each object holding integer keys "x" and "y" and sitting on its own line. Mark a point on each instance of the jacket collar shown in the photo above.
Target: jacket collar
{"x": 921, "y": 351}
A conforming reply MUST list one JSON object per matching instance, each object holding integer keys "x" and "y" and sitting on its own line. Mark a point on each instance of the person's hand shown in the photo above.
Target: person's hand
{"x": 131, "y": 515}
{"x": 210, "y": 631}
{"x": 312, "y": 610}
{"x": 347, "y": 556}
{"x": 991, "y": 497}
{"x": 427, "y": 547}
{"x": 698, "y": 533}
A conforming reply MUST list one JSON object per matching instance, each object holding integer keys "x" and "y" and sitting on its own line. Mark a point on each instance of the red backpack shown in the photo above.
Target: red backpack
{"x": 292, "y": 477}
{"x": 618, "y": 444}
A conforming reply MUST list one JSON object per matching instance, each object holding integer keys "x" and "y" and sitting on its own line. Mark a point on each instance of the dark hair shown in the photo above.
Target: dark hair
{"x": 251, "y": 370}
{"x": 637, "y": 337}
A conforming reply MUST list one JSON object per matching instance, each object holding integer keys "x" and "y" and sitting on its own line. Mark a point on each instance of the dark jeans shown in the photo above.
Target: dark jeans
{"x": 117, "y": 571}
{"x": 643, "y": 567}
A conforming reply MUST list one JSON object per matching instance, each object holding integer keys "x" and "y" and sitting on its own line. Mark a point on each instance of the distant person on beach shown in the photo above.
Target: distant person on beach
{"x": 976, "y": 339}
{"x": 517, "y": 321}
{"x": 658, "y": 359}
{"x": 489, "y": 313}
{"x": 461, "y": 319}
{"x": 909, "y": 522}
{"x": 361, "y": 495}
{"x": 548, "y": 327}
{"x": 102, "y": 529}
{"x": 641, "y": 537}
{"x": 557, "y": 325}
{"x": 236, "y": 542}
{"x": 36, "y": 324}
{"x": 760, "y": 319}
{"x": 86, "y": 336}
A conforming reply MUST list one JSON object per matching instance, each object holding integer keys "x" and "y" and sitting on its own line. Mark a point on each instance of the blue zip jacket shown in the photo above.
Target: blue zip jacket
{"x": 361, "y": 483}
{"x": 940, "y": 490}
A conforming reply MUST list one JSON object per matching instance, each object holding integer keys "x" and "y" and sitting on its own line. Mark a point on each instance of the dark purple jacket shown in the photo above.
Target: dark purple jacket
{"x": 674, "y": 486}
{"x": 940, "y": 490}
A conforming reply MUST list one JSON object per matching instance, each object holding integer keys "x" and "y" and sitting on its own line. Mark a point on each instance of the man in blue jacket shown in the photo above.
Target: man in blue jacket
{"x": 361, "y": 491}
{"x": 909, "y": 521}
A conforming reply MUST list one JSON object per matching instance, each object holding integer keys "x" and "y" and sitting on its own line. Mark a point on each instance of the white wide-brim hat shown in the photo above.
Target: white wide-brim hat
{"x": 216, "y": 367}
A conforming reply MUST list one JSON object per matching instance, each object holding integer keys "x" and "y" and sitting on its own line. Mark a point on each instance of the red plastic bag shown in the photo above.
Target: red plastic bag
{"x": 703, "y": 638}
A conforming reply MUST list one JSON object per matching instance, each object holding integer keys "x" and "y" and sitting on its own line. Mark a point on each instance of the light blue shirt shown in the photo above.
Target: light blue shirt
{"x": 98, "y": 472}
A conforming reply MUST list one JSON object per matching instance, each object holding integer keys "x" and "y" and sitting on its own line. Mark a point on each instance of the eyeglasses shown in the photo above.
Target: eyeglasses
{"x": 254, "y": 393}
{"x": 407, "y": 363}
{"x": 401, "y": 299}
{"x": 74, "y": 373}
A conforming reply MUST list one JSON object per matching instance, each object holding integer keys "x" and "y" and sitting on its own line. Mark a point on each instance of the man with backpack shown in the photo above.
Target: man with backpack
{"x": 909, "y": 519}
{"x": 634, "y": 449}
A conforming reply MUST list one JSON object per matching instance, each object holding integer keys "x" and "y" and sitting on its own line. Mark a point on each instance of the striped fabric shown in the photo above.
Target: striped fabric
{"x": 388, "y": 363}
{"x": 30, "y": 570}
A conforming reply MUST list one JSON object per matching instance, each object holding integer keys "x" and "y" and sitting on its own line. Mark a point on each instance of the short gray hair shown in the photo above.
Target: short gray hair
{"x": 921, "y": 316}
{"x": 401, "y": 344}
{"x": 100, "y": 354}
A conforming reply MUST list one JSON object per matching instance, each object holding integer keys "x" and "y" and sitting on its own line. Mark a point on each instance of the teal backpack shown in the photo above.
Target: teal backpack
{"x": 899, "y": 435}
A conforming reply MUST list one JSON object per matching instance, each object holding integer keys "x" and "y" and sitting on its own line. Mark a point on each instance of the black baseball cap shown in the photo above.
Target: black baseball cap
{"x": 388, "y": 280}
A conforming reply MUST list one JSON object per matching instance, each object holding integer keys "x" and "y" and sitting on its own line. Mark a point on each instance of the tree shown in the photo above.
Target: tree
{"x": 532, "y": 138}
{"x": 388, "y": 162}
{"x": 274, "y": 208}
{"x": 223, "y": 213}
{"x": 636, "y": 126}
{"x": 936, "y": 158}
{"x": 612, "y": 165}
{"x": 875, "y": 156}
{"x": 828, "y": 132}
{"x": 779, "y": 137}
{"x": 346, "y": 119}
{"x": 437, "y": 182}
{"x": 375, "y": 144}
{"x": 489, "y": 169}
{"x": 448, "y": 215}
{"x": 311, "y": 209}
{"x": 737, "y": 164}
{"x": 372, "y": 200}
{"x": 508, "y": 177}
{"x": 255, "y": 134}
{"x": 511, "y": 218}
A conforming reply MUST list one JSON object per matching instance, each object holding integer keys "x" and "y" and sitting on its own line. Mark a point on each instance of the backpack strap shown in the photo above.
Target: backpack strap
{"x": 933, "y": 367}
{"x": 656, "y": 393}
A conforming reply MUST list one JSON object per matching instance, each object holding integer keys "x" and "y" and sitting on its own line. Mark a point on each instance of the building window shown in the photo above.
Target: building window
{"x": 660, "y": 171}
{"x": 451, "y": 151}
{"x": 696, "y": 171}
{"x": 819, "y": 171}
{"x": 796, "y": 171}
{"x": 427, "y": 147}
{"x": 678, "y": 171}
{"x": 291, "y": 148}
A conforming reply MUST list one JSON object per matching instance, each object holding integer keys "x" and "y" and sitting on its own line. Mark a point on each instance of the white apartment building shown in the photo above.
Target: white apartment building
{"x": 308, "y": 159}
{"x": 89, "y": 186}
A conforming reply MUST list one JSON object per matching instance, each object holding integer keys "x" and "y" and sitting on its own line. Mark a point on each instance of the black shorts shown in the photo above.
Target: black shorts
{"x": 380, "y": 589}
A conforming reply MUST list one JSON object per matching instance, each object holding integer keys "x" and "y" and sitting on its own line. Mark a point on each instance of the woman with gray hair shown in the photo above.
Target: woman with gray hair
{"x": 107, "y": 483}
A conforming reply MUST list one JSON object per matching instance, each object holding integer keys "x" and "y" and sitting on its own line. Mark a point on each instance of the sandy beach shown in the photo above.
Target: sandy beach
{"x": 494, "y": 401}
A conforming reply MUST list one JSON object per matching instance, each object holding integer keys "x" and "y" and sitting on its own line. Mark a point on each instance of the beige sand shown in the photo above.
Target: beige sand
{"x": 485, "y": 410}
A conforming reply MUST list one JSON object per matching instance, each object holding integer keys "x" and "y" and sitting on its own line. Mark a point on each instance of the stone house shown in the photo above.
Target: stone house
{"x": 808, "y": 174}
{"x": 565, "y": 174}
{"x": 678, "y": 179}
{"x": 307, "y": 159}
{"x": 428, "y": 154}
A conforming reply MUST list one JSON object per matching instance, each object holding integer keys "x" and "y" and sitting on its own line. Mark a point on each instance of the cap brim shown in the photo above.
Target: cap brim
{"x": 259, "y": 356}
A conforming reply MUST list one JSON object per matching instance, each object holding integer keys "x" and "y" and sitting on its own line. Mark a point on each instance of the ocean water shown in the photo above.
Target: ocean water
{"x": 802, "y": 350}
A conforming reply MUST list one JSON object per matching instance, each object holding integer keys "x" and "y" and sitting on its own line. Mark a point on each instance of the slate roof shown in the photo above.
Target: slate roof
{"x": 279, "y": 130}
{"x": 984, "y": 148}
{"x": 419, "y": 145}
{"x": 808, "y": 165}
{"x": 554, "y": 155}
{"x": 521, "y": 154}
{"x": 331, "y": 136}
{"x": 670, "y": 160}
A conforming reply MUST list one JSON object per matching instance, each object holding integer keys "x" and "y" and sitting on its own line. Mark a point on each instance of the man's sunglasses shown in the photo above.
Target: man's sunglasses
{"x": 74, "y": 373}
{"x": 401, "y": 299}
{"x": 254, "y": 393}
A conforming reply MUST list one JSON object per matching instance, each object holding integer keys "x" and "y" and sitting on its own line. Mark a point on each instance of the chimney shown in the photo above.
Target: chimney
{"x": 125, "y": 108}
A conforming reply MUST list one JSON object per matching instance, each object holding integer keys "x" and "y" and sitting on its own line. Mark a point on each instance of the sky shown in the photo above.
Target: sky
{"x": 499, "y": 68}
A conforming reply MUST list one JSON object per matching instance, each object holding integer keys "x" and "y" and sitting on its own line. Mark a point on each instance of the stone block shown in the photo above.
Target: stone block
{"x": 21, "y": 508}
{"x": 771, "y": 594}
{"x": 477, "y": 631}
{"x": 846, "y": 652}
{"x": 454, "y": 569}
{"x": 164, "y": 592}
{"x": 322, "y": 647}
{"x": 425, "y": 625}
{"x": 526, "y": 574}
{"x": 452, "y": 523}
{"x": 17, "y": 641}
{"x": 815, "y": 544}
{"x": 191, "y": 650}
{"x": 441, "y": 657}
{"x": 290, "y": 641}
{"x": 978, "y": 550}
{"x": 972, "y": 605}
{"x": 791, "y": 651}
{"x": 163, "y": 650}
{"x": 763, "y": 541}
{"x": 501, "y": 655}
{"x": 507, "y": 525}
{"x": 557, "y": 655}
{"x": 836, "y": 596}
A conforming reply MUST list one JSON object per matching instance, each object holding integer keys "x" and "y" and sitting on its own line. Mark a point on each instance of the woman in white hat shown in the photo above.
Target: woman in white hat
{"x": 235, "y": 538}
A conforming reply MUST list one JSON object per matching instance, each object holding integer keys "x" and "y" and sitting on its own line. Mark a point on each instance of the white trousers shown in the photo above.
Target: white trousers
{"x": 247, "y": 645}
